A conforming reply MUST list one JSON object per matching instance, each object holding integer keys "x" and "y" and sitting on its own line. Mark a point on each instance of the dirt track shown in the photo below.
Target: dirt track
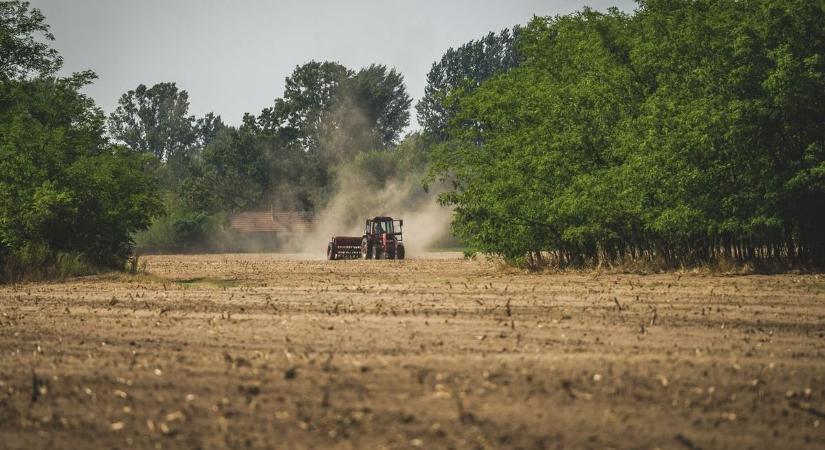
{"x": 264, "y": 351}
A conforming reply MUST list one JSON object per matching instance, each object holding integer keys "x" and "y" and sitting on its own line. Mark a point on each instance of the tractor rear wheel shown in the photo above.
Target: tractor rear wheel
{"x": 399, "y": 252}
{"x": 331, "y": 251}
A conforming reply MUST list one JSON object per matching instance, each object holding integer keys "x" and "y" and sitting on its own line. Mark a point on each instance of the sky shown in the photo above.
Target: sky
{"x": 233, "y": 56}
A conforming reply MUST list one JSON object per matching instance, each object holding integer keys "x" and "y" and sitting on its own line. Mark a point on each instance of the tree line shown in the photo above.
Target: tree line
{"x": 70, "y": 199}
{"x": 683, "y": 133}
{"x": 327, "y": 115}
{"x": 285, "y": 158}
{"x": 78, "y": 188}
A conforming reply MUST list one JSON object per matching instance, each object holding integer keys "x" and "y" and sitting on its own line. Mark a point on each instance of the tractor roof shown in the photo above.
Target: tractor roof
{"x": 380, "y": 218}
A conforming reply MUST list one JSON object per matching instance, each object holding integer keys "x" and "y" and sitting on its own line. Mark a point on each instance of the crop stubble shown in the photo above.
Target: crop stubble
{"x": 234, "y": 351}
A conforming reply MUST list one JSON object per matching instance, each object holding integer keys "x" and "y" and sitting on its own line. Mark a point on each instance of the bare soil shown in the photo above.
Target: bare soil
{"x": 274, "y": 351}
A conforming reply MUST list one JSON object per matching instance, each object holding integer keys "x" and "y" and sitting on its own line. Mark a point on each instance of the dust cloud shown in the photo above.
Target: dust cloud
{"x": 357, "y": 195}
{"x": 391, "y": 187}
{"x": 426, "y": 222}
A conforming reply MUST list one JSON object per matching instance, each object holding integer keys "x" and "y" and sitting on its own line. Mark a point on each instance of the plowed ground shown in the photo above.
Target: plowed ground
{"x": 269, "y": 351}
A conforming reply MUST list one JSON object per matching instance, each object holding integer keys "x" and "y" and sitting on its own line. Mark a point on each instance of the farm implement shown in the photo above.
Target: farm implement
{"x": 382, "y": 239}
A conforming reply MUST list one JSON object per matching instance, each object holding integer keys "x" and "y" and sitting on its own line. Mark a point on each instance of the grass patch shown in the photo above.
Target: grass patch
{"x": 209, "y": 282}
{"x": 39, "y": 263}
{"x": 145, "y": 277}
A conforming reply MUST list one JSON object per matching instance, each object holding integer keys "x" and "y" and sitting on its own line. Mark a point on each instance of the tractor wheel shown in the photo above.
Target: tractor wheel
{"x": 365, "y": 249}
{"x": 376, "y": 251}
{"x": 399, "y": 252}
{"x": 331, "y": 251}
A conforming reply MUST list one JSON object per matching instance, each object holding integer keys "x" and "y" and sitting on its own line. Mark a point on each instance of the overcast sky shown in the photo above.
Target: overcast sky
{"x": 232, "y": 56}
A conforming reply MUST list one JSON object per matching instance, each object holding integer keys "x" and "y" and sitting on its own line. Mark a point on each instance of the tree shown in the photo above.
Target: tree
{"x": 333, "y": 111}
{"x": 155, "y": 120}
{"x": 686, "y": 132}
{"x": 519, "y": 140}
{"x": 23, "y": 54}
{"x": 63, "y": 188}
{"x": 465, "y": 67}
{"x": 736, "y": 96}
{"x": 380, "y": 95}
{"x": 230, "y": 174}
{"x": 308, "y": 94}
{"x": 327, "y": 116}
{"x": 207, "y": 129}
{"x": 368, "y": 112}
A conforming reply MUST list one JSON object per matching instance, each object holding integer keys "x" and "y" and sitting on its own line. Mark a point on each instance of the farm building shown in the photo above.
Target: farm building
{"x": 270, "y": 230}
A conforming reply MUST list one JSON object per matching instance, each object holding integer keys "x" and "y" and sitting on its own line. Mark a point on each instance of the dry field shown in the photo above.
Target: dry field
{"x": 268, "y": 351}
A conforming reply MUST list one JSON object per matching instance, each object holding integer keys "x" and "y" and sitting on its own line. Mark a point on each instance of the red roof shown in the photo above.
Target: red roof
{"x": 275, "y": 222}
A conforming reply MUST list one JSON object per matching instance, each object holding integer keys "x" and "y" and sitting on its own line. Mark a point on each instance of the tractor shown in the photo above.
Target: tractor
{"x": 382, "y": 239}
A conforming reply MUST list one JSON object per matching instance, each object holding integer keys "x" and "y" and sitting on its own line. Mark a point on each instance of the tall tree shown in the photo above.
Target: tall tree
{"x": 154, "y": 120}
{"x": 380, "y": 95}
{"x": 229, "y": 175}
{"x": 518, "y": 141}
{"x": 369, "y": 112}
{"x": 688, "y": 131}
{"x": 328, "y": 108}
{"x": 63, "y": 188}
{"x": 22, "y": 32}
{"x": 465, "y": 67}
{"x": 207, "y": 129}
{"x": 308, "y": 93}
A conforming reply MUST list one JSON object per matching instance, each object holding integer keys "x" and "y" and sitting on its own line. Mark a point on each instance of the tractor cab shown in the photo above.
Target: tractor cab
{"x": 380, "y": 225}
{"x": 383, "y": 239}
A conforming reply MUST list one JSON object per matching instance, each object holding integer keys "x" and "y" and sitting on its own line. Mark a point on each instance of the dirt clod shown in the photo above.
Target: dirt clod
{"x": 421, "y": 353}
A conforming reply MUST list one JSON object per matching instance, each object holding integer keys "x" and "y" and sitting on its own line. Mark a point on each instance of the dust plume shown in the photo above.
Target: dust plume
{"x": 385, "y": 181}
{"x": 426, "y": 223}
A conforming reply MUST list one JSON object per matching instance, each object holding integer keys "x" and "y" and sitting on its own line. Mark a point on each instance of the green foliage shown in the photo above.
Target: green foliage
{"x": 229, "y": 175}
{"x": 180, "y": 230}
{"x": 37, "y": 262}
{"x": 21, "y": 52}
{"x": 465, "y": 67}
{"x": 192, "y": 228}
{"x": 334, "y": 112}
{"x": 69, "y": 201}
{"x": 309, "y": 93}
{"x": 156, "y": 121}
{"x": 286, "y": 157}
{"x": 685, "y": 132}
{"x": 62, "y": 186}
{"x": 378, "y": 167}
{"x": 380, "y": 97}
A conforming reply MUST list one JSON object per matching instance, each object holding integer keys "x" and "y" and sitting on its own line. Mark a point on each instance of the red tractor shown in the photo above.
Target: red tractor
{"x": 382, "y": 239}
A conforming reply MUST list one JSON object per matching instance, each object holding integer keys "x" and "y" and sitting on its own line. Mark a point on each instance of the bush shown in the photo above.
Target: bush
{"x": 181, "y": 232}
{"x": 35, "y": 262}
{"x": 64, "y": 191}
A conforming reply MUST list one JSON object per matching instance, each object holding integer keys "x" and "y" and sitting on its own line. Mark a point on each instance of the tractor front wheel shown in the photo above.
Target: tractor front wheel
{"x": 365, "y": 249}
{"x": 376, "y": 251}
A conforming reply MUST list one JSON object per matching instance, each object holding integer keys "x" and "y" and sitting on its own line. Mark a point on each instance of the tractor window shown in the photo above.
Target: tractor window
{"x": 384, "y": 226}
